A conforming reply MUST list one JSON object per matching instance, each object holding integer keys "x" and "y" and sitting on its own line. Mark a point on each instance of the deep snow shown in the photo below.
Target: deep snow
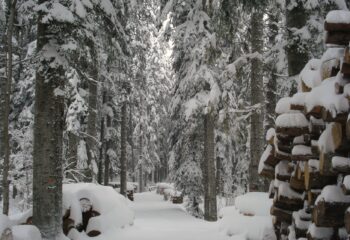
{"x": 156, "y": 219}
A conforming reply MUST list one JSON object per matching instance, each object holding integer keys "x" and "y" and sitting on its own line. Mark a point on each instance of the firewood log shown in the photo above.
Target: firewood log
{"x": 315, "y": 112}
{"x": 330, "y": 68}
{"x": 339, "y": 89}
{"x": 297, "y": 184}
{"x": 301, "y": 222}
{"x": 341, "y": 164}
{"x": 292, "y": 131}
{"x": 312, "y": 196}
{"x": 326, "y": 164}
{"x": 280, "y": 156}
{"x": 335, "y": 27}
{"x": 329, "y": 214}
{"x": 297, "y": 107}
{"x": 338, "y": 38}
{"x": 347, "y": 220}
{"x": 281, "y": 215}
{"x": 267, "y": 172}
{"x": 347, "y": 128}
{"x": 313, "y": 179}
{"x": 93, "y": 233}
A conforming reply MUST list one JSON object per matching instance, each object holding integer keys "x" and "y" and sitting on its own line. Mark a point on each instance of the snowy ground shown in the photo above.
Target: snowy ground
{"x": 156, "y": 219}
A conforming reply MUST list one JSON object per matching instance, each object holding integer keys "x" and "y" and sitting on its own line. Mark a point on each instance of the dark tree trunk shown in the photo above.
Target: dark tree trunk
{"x": 91, "y": 138}
{"x": 271, "y": 86}
{"x": 297, "y": 56}
{"x": 141, "y": 183}
{"x": 131, "y": 142}
{"x": 210, "y": 207}
{"x": 123, "y": 163}
{"x": 48, "y": 135}
{"x": 257, "y": 98}
{"x": 108, "y": 146}
{"x": 102, "y": 143}
{"x": 72, "y": 155}
{"x": 6, "y": 135}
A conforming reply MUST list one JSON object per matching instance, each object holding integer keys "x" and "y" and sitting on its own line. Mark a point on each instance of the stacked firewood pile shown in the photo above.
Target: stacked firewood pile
{"x": 87, "y": 212}
{"x": 307, "y": 156}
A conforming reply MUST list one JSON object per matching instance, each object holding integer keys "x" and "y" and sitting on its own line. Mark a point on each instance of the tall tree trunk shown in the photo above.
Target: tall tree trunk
{"x": 296, "y": 18}
{"x": 108, "y": 146}
{"x": 131, "y": 142}
{"x": 49, "y": 124}
{"x": 6, "y": 135}
{"x": 91, "y": 138}
{"x": 210, "y": 207}
{"x": 123, "y": 163}
{"x": 102, "y": 143}
{"x": 72, "y": 155}
{"x": 141, "y": 183}
{"x": 271, "y": 86}
{"x": 257, "y": 99}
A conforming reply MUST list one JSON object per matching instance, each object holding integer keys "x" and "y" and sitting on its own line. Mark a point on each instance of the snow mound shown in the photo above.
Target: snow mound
{"x": 329, "y": 100}
{"x": 4, "y": 223}
{"x": 113, "y": 207}
{"x": 239, "y": 226}
{"x": 26, "y": 232}
{"x": 333, "y": 193}
{"x": 283, "y": 105}
{"x": 338, "y": 16}
{"x": 292, "y": 120}
{"x": 311, "y": 75}
{"x": 19, "y": 232}
{"x": 270, "y": 134}
{"x": 254, "y": 203}
{"x": 301, "y": 150}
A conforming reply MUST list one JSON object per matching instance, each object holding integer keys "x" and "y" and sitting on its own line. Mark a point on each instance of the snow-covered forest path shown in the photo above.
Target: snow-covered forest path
{"x": 156, "y": 219}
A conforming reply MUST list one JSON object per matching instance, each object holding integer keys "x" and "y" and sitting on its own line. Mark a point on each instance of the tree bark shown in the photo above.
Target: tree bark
{"x": 108, "y": 146}
{"x": 141, "y": 183}
{"x": 72, "y": 155}
{"x": 295, "y": 18}
{"x": 257, "y": 97}
{"x": 49, "y": 124}
{"x": 131, "y": 142}
{"x": 210, "y": 207}
{"x": 123, "y": 161}
{"x": 6, "y": 135}
{"x": 102, "y": 143}
{"x": 91, "y": 139}
{"x": 271, "y": 86}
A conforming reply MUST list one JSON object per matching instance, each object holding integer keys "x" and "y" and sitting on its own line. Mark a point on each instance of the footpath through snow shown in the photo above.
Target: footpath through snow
{"x": 156, "y": 219}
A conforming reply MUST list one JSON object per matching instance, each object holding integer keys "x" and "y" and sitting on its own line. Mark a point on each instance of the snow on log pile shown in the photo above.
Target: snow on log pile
{"x": 89, "y": 210}
{"x": 249, "y": 218}
{"x": 307, "y": 157}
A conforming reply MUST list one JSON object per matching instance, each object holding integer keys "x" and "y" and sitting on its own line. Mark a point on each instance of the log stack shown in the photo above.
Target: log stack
{"x": 307, "y": 157}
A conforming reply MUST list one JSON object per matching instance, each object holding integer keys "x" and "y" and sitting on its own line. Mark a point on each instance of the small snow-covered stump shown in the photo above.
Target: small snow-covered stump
{"x": 330, "y": 207}
{"x": 287, "y": 198}
{"x": 301, "y": 223}
{"x": 94, "y": 209}
{"x": 292, "y": 124}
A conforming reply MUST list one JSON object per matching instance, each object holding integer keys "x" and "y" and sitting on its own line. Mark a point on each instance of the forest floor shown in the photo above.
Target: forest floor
{"x": 156, "y": 219}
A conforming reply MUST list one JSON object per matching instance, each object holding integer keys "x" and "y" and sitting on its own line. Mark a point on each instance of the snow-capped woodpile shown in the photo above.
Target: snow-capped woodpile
{"x": 307, "y": 156}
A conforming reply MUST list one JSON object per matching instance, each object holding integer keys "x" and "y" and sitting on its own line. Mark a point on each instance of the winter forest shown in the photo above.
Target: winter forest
{"x": 174, "y": 119}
